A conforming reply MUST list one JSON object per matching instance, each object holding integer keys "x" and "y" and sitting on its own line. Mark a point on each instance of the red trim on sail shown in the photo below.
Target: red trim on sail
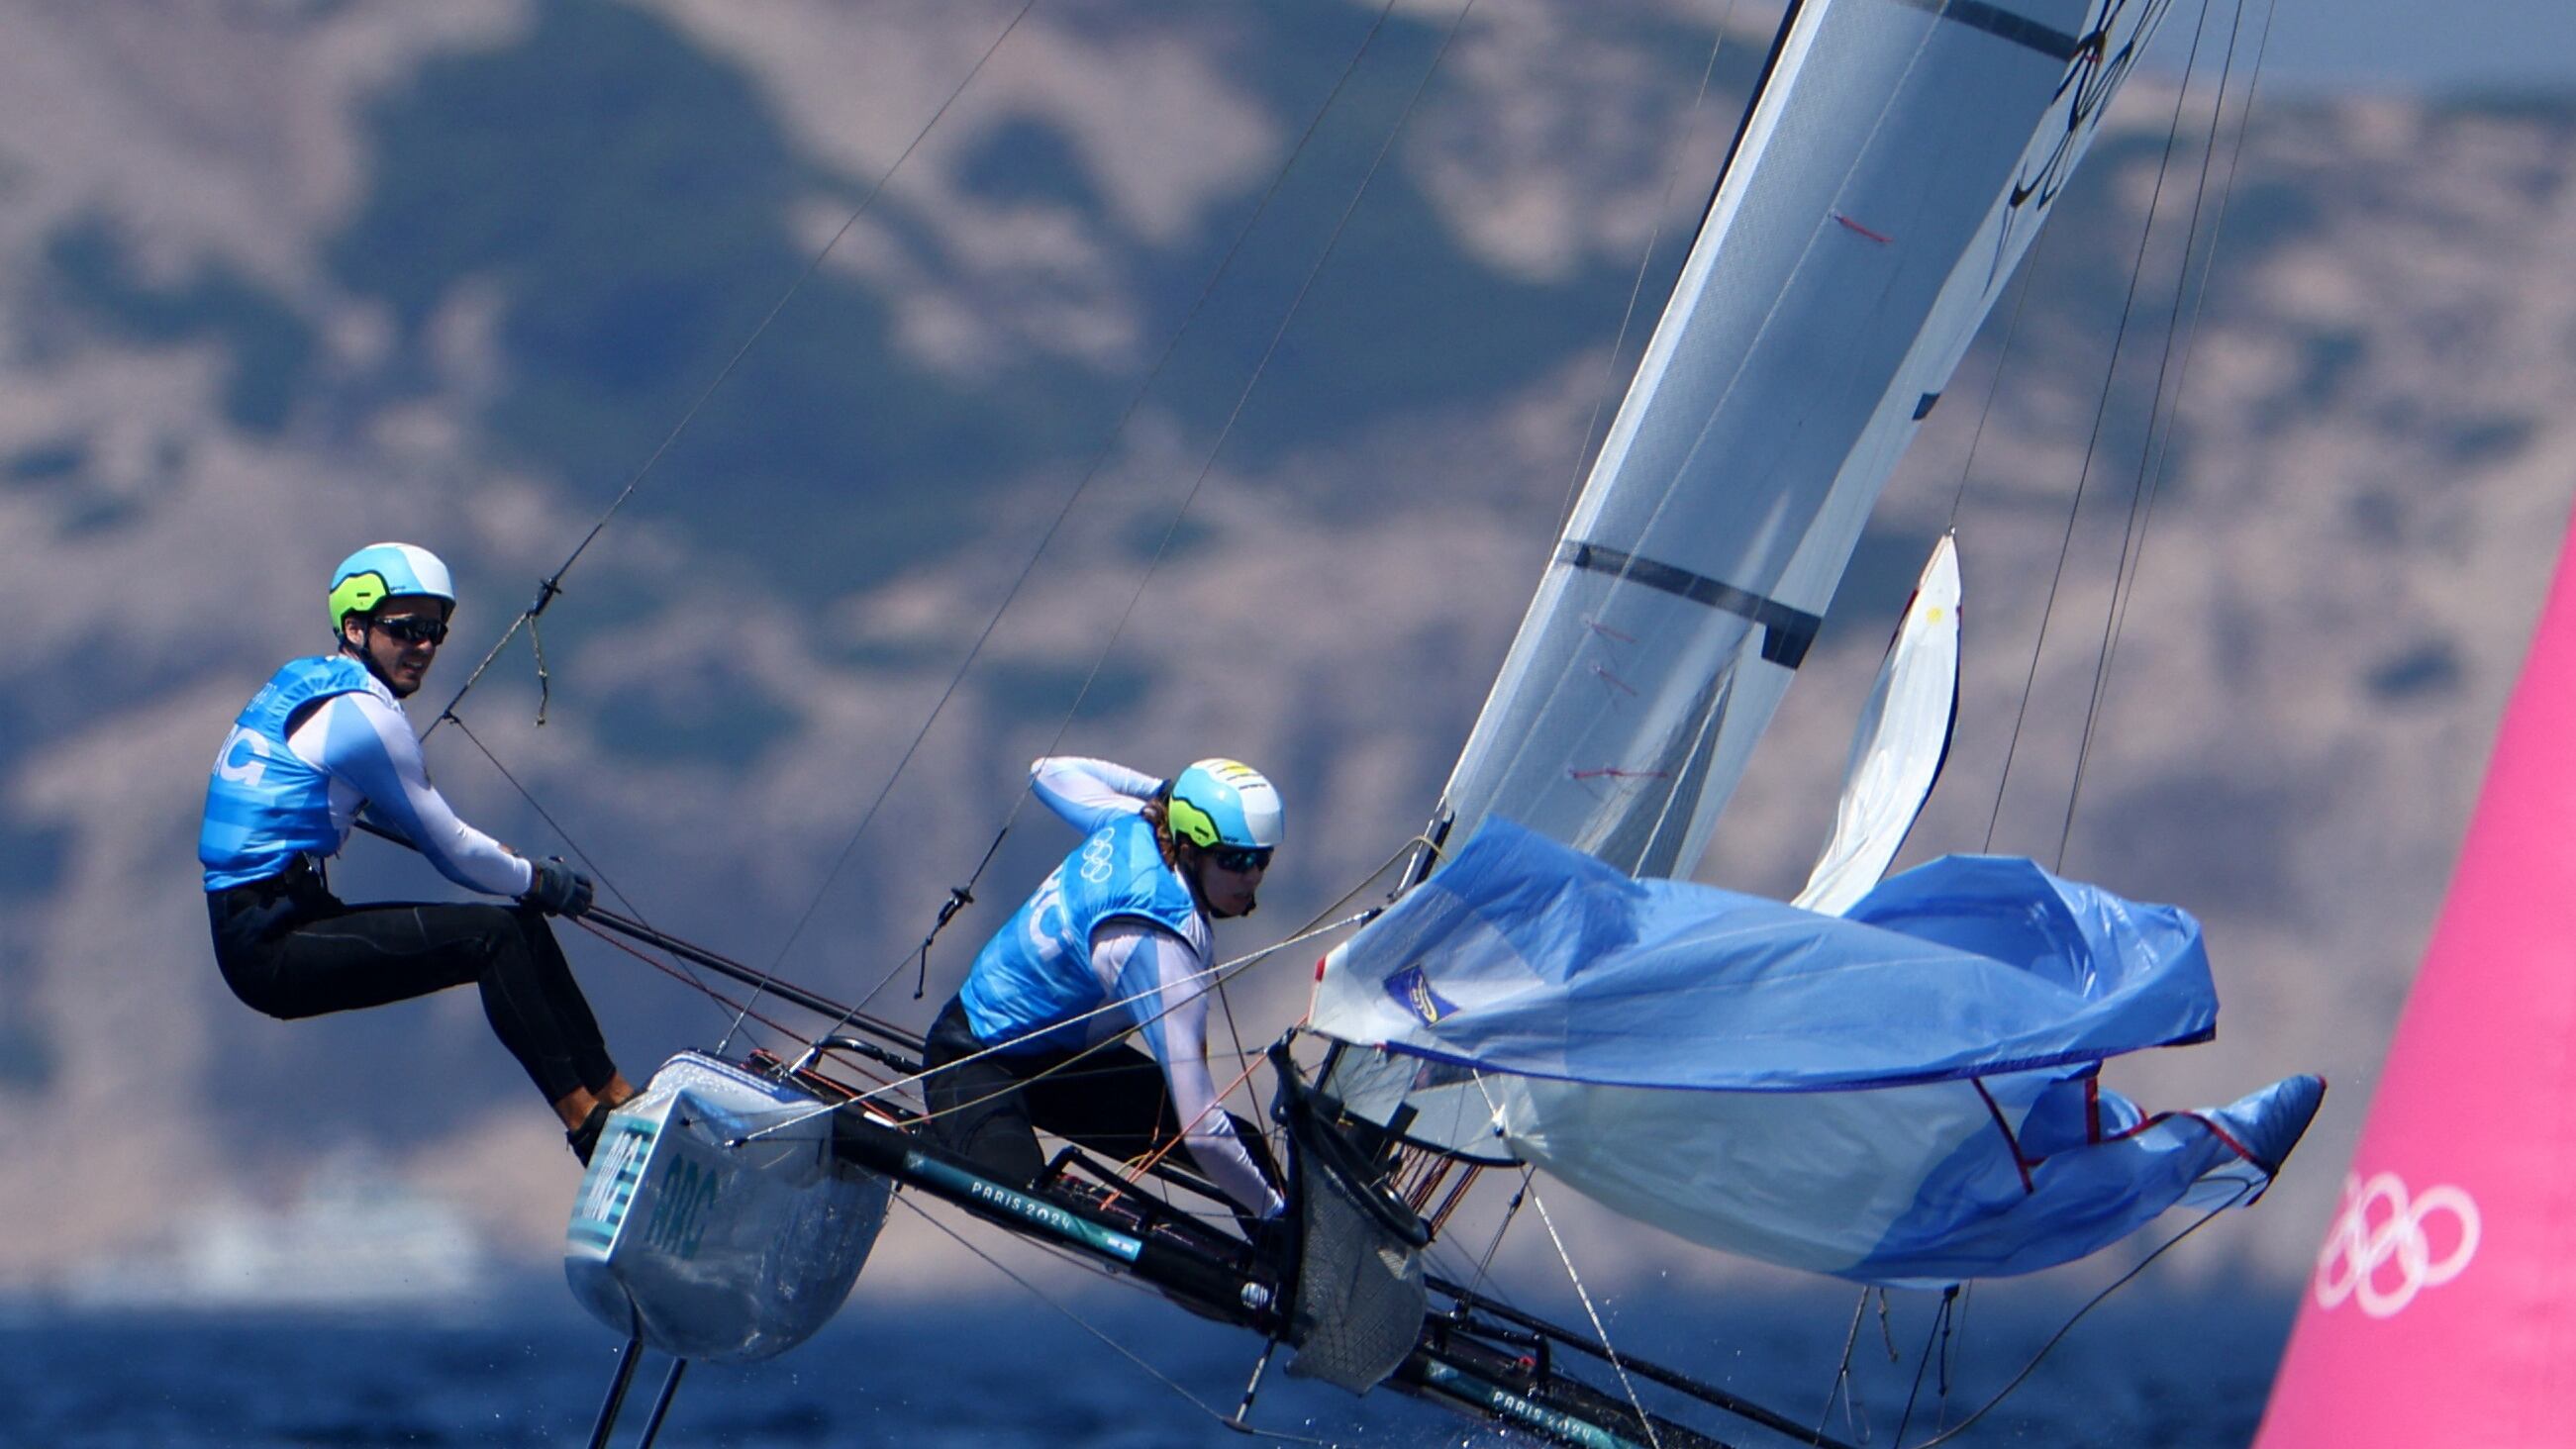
{"x": 2021, "y": 1164}
{"x": 1879, "y": 237}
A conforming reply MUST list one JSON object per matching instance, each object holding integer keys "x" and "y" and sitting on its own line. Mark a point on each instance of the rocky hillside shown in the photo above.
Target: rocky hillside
{"x": 277, "y": 280}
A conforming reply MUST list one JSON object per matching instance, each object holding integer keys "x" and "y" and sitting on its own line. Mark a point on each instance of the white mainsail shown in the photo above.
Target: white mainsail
{"x": 1891, "y": 174}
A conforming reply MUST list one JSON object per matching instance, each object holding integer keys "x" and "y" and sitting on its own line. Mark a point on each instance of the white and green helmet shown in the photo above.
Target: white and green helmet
{"x": 382, "y": 571}
{"x": 1224, "y": 803}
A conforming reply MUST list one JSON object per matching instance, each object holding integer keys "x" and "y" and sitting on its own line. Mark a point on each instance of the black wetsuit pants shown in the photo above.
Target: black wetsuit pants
{"x": 1111, "y": 1099}
{"x": 290, "y": 949}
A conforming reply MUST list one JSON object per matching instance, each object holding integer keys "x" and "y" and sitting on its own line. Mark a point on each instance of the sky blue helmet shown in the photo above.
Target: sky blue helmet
{"x": 382, "y": 571}
{"x": 1224, "y": 802}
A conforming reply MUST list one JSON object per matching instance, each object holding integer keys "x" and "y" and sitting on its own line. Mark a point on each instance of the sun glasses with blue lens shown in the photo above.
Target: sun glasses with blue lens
{"x": 413, "y": 629}
{"x": 1242, "y": 861}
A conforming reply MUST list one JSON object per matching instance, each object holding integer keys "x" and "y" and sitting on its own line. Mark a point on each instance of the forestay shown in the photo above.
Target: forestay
{"x": 1891, "y": 174}
{"x": 1904, "y": 1094}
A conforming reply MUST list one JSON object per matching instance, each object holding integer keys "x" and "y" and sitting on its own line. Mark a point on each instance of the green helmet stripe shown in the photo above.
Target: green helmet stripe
{"x": 356, "y": 594}
{"x": 1191, "y": 823}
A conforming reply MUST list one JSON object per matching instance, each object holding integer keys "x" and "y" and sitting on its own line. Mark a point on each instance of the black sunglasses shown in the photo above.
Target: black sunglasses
{"x": 1242, "y": 861}
{"x": 413, "y": 629}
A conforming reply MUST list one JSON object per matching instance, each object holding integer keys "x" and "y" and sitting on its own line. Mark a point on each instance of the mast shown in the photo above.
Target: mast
{"x": 2443, "y": 1305}
{"x": 1889, "y": 176}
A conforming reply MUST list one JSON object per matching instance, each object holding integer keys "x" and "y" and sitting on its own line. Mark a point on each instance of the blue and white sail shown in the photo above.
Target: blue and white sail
{"x": 1907, "y": 1091}
{"x": 1904, "y": 1094}
{"x": 1893, "y": 170}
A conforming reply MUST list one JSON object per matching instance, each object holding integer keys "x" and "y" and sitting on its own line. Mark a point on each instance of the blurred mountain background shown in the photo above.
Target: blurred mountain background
{"x": 279, "y": 278}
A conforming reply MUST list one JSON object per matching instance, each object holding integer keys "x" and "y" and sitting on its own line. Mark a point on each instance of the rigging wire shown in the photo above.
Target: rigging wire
{"x": 553, "y": 583}
{"x": 1218, "y": 972}
{"x": 1215, "y": 976}
{"x": 1844, "y": 1390}
{"x": 1511, "y": 1211}
{"x": 2243, "y": 1193}
{"x": 1123, "y": 1351}
{"x": 2092, "y": 444}
{"x": 2155, "y": 462}
{"x": 1939, "y": 1332}
{"x": 1260, "y": 369}
{"x": 1600, "y": 1330}
{"x": 1099, "y": 460}
{"x": 686, "y": 972}
{"x": 1994, "y": 380}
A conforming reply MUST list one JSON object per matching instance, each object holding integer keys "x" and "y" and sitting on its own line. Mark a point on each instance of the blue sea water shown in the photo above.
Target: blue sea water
{"x": 2144, "y": 1371}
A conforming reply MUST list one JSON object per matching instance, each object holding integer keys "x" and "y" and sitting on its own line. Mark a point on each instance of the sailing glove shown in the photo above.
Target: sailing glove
{"x": 556, "y": 888}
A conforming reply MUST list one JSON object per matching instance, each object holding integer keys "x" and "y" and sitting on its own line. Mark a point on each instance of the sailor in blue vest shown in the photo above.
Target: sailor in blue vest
{"x": 1114, "y": 941}
{"x": 326, "y": 738}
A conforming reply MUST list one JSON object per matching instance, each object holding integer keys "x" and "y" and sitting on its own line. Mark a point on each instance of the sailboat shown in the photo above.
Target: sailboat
{"x": 1893, "y": 1082}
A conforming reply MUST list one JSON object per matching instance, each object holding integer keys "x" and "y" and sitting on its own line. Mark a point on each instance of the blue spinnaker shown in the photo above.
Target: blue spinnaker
{"x": 1902, "y": 1094}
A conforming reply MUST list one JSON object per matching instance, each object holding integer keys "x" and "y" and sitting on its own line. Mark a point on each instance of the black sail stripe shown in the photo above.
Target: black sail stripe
{"x": 1997, "y": 21}
{"x": 1786, "y": 632}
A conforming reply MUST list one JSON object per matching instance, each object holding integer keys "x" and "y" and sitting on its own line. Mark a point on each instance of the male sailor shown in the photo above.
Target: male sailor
{"x": 1114, "y": 941}
{"x": 325, "y": 738}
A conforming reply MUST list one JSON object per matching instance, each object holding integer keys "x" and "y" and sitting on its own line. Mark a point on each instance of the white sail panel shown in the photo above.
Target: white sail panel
{"x": 1890, "y": 176}
{"x": 1901, "y": 741}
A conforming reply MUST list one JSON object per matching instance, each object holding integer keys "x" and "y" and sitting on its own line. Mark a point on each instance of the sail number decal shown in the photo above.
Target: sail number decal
{"x": 682, "y": 1199}
{"x": 2387, "y": 1245}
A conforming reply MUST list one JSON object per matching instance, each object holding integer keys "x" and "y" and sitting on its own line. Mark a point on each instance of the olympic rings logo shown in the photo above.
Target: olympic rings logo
{"x": 1096, "y": 858}
{"x": 2380, "y": 1227}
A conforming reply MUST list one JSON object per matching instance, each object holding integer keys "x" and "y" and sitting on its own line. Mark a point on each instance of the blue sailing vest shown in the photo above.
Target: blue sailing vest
{"x": 264, "y": 805}
{"x": 1034, "y": 977}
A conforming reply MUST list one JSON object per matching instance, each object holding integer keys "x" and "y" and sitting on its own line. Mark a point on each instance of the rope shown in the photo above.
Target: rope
{"x": 1123, "y": 1351}
{"x": 2092, "y": 444}
{"x": 553, "y": 584}
{"x": 1494, "y": 1245}
{"x": 1213, "y": 972}
{"x": 1939, "y": 1332}
{"x": 1100, "y": 460}
{"x": 1217, "y": 975}
{"x": 1599, "y": 1330}
{"x": 1843, "y": 1388}
{"x": 2155, "y": 458}
{"x": 1954, "y": 1431}
{"x": 574, "y": 846}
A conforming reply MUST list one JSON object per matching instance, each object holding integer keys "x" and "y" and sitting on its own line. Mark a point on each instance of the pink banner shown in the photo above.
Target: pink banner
{"x": 2443, "y": 1306}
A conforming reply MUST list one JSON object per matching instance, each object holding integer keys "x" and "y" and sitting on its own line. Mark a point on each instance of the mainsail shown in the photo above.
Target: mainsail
{"x": 2444, "y": 1298}
{"x": 1893, "y": 170}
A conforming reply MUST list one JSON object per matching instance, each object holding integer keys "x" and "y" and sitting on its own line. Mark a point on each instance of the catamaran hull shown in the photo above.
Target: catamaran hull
{"x": 715, "y": 1222}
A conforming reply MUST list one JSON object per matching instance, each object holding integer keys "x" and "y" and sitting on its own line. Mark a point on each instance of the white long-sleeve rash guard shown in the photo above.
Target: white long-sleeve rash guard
{"x": 367, "y": 746}
{"x": 1161, "y": 978}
